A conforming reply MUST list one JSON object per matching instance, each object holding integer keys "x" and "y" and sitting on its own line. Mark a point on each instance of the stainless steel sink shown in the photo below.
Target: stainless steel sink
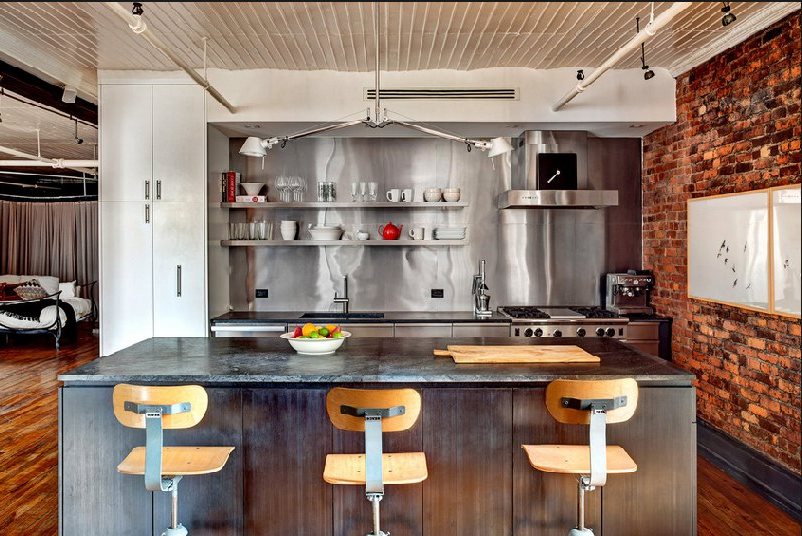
{"x": 344, "y": 316}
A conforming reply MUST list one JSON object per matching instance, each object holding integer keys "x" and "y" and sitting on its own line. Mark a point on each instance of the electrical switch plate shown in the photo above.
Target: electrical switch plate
{"x": 261, "y": 293}
{"x": 437, "y": 293}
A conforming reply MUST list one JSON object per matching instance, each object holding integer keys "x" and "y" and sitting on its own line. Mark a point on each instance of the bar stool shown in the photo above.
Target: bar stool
{"x": 156, "y": 409}
{"x": 374, "y": 411}
{"x": 593, "y": 402}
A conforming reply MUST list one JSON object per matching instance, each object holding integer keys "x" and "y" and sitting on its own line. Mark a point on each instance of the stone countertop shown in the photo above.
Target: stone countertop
{"x": 390, "y": 317}
{"x": 249, "y": 361}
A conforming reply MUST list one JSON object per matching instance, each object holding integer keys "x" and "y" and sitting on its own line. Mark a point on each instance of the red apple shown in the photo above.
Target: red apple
{"x": 297, "y": 333}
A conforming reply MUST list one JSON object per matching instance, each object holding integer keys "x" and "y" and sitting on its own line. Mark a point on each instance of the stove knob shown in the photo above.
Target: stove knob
{"x": 517, "y": 332}
{"x": 600, "y": 332}
{"x": 538, "y": 332}
{"x": 528, "y": 332}
{"x": 557, "y": 333}
{"x": 580, "y": 332}
{"x": 611, "y": 332}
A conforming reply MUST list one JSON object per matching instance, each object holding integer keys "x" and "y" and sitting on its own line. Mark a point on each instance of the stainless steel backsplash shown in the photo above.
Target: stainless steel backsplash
{"x": 544, "y": 257}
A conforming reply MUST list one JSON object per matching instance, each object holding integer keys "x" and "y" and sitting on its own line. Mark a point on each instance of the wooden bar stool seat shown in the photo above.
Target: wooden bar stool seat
{"x": 374, "y": 411}
{"x": 397, "y": 468}
{"x": 156, "y": 408}
{"x": 575, "y": 459}
{"x": 595, "y": 403}
{"x": 179, "y": 460}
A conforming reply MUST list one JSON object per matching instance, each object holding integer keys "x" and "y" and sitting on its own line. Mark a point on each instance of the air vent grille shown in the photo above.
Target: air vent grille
{"x": 436, "y": 93}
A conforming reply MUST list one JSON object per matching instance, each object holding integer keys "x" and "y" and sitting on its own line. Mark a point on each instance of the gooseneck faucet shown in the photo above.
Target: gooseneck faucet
{"x": 481, "y": 299}
{"x": 344, "y": 299}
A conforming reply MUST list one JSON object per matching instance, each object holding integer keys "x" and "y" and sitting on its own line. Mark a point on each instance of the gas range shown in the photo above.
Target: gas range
{"x": 574, "y": 321}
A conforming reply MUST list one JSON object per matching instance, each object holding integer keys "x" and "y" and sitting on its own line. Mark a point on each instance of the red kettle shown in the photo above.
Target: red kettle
{"x": 390, "y": 231}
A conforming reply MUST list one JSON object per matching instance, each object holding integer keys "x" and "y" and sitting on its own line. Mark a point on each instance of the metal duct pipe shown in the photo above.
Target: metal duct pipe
{"x": 32, "y": 160}
{"x": 648, "y": 31}
{"x": 138, "y": 26}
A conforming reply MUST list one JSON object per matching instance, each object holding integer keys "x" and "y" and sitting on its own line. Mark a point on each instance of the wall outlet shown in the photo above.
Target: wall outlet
{"x": 261, "y": 293}
{"x": 437, "y": 293}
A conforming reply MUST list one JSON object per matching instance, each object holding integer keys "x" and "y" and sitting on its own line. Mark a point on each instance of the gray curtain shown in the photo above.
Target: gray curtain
{"x": 56, "y": 239}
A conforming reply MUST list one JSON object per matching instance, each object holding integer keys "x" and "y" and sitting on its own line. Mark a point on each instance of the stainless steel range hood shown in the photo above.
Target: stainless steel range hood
{"x": 525, "y": 169}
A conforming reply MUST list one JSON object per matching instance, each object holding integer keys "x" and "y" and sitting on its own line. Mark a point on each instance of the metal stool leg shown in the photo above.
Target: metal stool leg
{"x": 175, "y": 528}
{"x": 374, "y": 499}
{"x": 580, "y": 529}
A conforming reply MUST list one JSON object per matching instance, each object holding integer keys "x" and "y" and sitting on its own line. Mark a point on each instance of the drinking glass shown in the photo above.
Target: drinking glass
{"x": 322, "y": 190}
{"x": 242, "y": 231}
{"x": 294, "y": 188}
{"x": 373, "y": 189}
{"x": 301, "y": 189}
{"x": 253, "y": 231}
{"x": 281, "y": 186}
{"x": 232, "y": 231}
{"x": 354, "y": 189}
{"x": 363, "y": 189}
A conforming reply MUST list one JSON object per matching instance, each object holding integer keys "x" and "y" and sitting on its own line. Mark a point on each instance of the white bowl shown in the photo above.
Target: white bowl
{"x": 432, "y": 196}
{"x": 451, "y": 197}
{"x": 320, "y": 346}
{"x": 252, "y": 188}
{"x": 322, "y": 232}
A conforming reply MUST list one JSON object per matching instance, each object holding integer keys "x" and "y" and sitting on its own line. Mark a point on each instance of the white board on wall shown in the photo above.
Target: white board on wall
{"x": 728, "y": 249}
{"x": 786, "y": 205}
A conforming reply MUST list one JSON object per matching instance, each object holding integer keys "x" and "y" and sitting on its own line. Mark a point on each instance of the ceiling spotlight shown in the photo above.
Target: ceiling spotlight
{"x": 728, "y": 17}
{"x": 648, "y": 73}
{"x": 78, "y": 140}
{"x": 139, "y": 25}
{"x": 580, "y": 74}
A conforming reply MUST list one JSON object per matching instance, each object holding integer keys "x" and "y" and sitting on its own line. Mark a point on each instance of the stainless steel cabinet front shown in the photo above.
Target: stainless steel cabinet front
{"x": 423, "y": 330}
{"x": 249, "y": 330}
{"x": 476, "y": 329}
{"x": 369, "y": 330}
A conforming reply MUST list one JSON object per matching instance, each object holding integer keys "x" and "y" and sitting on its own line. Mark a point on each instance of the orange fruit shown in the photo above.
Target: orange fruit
{"x": 308, "y": 329}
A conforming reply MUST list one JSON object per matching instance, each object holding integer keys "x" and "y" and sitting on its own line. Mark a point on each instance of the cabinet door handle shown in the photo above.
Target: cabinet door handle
{"x": 158, "y": 189}
{"x": 147, "y": 213}
{"x": 147, "y": 190}
{"x": 178, "y": 281}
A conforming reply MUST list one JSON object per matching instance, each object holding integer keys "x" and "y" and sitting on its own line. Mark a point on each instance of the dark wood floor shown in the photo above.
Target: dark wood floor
{"x": 29, "y": 451}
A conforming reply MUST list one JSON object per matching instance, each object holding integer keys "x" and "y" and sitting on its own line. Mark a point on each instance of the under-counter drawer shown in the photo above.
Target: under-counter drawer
{"x": 476, "y": 329}
{"x": 369, "y": 330}
{"x": 249, "y": 330}
{"x": 423, "y": 330}
{"x": 643, "y": 331}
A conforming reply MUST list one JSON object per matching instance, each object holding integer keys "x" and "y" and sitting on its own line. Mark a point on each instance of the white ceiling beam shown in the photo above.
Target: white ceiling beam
{"x": 651, "y": 28}
{"x": 32, "y": 160}
{"x": 20, "y": 52}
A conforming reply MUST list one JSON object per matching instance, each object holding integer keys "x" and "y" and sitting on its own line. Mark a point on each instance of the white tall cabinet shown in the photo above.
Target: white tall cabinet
{"x": 152, "y": 213}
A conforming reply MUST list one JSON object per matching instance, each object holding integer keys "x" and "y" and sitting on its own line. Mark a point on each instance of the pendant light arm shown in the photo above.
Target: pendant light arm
{"x": 377, "y": 100}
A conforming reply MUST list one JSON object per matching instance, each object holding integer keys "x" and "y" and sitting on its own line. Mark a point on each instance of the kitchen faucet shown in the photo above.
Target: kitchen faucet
{"x": 344, "y": 299}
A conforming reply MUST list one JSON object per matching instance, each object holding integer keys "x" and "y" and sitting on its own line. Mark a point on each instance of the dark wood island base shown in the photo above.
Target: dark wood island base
{"x": 270, "y": 404}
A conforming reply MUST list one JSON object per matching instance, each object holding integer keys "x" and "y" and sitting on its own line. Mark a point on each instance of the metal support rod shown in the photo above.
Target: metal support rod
{"x": 174, "y": 507}
{"x": 374, "y": 501}
{"x": 142, "y": 29}
{"x": 377, "y": 102}
{"x": 648, "y": 31}
{"x": 580, "y": 505}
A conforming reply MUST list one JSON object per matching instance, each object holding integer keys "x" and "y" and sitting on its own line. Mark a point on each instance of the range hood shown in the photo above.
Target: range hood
{"x": 549, "y": 170}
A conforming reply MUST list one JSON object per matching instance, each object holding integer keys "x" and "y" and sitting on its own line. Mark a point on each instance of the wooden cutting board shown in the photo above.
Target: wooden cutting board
{"x": 518, "y": 354}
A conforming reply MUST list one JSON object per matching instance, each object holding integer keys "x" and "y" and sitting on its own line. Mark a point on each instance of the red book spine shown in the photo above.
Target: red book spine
{"x": 231, "y": 178}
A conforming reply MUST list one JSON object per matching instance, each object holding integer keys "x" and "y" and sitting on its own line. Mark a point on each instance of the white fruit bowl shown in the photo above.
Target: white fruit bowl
{"x": 252, "y": 188}
{"x": 320, "y": 346}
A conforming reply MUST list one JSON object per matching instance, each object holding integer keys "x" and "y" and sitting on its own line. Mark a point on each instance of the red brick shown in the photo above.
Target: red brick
{"x": 747, "y": 364}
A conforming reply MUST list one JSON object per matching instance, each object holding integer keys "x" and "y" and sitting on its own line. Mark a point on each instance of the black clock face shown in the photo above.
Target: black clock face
{"x": 556, "y": 171}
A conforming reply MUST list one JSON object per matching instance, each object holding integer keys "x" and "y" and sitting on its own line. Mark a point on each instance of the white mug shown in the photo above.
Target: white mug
{"x": 406, "y": 195}
{"x": 417, "y": 233}
{"x": 289, "y": 229}
{"x": 417, "y": 195}
{"x": 393, "y": 195}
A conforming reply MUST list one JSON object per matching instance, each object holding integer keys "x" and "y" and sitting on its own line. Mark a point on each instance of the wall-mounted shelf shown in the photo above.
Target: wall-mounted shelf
{"x": 338, "y": 243}
{"x": 344, "y": 204}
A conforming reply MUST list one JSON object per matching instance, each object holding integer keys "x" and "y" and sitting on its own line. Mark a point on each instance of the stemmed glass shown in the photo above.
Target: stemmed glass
{"x": 282, "y": 183}
{"x": 299, "y": 192}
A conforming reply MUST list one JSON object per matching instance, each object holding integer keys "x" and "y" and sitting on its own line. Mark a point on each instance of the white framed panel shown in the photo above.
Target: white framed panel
{"x": 786, "y": 239}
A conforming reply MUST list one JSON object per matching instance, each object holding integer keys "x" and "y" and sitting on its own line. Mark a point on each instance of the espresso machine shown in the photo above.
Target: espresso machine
{"x": 629, "y": 293}
{"x": 481, "y": 299}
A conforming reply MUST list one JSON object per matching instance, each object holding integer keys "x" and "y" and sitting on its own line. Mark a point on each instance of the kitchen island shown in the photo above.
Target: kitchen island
{"x": 269, "y": 403}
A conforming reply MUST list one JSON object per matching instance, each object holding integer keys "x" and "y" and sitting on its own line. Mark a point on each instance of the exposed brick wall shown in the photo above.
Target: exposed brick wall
{"x": 738, "y": 129}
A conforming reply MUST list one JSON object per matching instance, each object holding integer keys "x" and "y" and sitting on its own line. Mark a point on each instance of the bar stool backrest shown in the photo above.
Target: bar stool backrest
{"x": 195, "y": 395}
{"x": 373, "y": 399}
{"x": 591, "y": 389}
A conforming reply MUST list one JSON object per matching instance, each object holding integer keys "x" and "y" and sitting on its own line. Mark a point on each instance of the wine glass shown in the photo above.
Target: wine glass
{"x": 301, "y": 189}
{"x": 281, "y": 186}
